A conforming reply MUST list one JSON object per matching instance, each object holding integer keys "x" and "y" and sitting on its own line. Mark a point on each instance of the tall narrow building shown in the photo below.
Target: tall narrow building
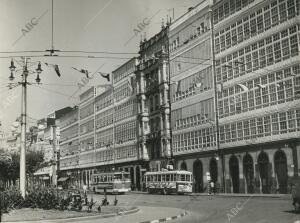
{"x": 125, "y": 123}
{"x": 193, "y": 116}
{"x": 152, "y": 74}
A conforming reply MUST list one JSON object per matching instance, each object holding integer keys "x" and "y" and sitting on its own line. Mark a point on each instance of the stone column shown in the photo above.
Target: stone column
{"x": 144, "y": 151}
{"x": 142, "y": 82}
{"x": 86, "y": 177}
{"x": 241, "y": 174}
{"x": 164, "y": 71}
{"x": 159, "y": 74}
{"x": 295, "y": 158}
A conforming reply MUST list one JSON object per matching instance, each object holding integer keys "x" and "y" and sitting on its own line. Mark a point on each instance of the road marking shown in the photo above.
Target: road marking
{"x": 166, "y": 219}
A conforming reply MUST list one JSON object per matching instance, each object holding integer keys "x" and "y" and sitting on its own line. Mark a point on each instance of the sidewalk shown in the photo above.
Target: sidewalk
{"x": 144, "y": 215}
{"x": 285, "y": 196}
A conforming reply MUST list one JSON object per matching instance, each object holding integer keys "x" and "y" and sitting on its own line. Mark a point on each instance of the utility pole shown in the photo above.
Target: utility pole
{"x": 54, "y": 167}
{"x": 24, "y": 84}
{"x": 23, "y": 130}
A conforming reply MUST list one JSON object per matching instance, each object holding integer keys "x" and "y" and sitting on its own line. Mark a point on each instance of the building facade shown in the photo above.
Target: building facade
{"x": 193, "y": 117}
{"x": 248, "y": 139}
{"x": 86, "y": 135}
{"x": 125, "y": 122}
{"x": 153, "y": 80}
{"x": 216, "y": 92}
{"x": 257, "y": 45}
{"x": 69, "y": 147}
{"x": 101, "y": 134}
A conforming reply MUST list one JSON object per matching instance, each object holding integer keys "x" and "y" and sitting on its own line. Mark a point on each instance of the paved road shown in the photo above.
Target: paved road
{"x": 215, "y": 209}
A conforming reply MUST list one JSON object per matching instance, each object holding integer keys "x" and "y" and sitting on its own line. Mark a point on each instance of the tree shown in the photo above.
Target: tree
{"x": 14, "y": 168}
{"x": 4, "y": 164}
{"x": 33, "y": 161}
{"x": 10, "y": 168}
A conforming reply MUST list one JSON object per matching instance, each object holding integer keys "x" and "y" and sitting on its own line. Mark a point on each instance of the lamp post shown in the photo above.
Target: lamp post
{"x": 24, "y": 84}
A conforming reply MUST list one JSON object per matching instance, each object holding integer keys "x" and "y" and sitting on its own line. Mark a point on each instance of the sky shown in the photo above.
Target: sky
{"x": 78, "y": 25}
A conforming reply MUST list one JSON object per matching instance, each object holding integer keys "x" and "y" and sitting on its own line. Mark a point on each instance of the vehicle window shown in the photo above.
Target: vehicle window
{"x": 117, "y": 176}
{"x": 168, "y": 177}
{"x": 158, "y": 177}
{"x": 125, "y": 176}
{"x": 172, "y": 177}
{"x": 104, "y": 178}
{"x": 188, "y": 178}
{"x": 154, "y": 177}
{"x": 182, "y": 177}
{"x": 163, "y": 177}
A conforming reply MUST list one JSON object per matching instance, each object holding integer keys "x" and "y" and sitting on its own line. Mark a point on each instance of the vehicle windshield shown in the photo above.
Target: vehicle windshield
{"x": 118, "y": 176}
{"x": 121, "y": 176}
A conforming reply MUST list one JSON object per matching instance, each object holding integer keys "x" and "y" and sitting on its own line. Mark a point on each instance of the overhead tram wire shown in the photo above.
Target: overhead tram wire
{"x": 64, "y": 85}
{"x": 56, "y": 92}
{"x": 71, "y": 51}
{"x": 68, "y": 56}
{"x": 98, "y": 52}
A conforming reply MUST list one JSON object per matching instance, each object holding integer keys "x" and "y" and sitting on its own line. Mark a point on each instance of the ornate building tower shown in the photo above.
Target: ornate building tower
{"x": 153, "y": 99}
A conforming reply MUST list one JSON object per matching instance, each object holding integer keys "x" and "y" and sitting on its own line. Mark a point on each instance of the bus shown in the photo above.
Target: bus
{"x": 167, "y": 182}
{"x": 115, "y": 183}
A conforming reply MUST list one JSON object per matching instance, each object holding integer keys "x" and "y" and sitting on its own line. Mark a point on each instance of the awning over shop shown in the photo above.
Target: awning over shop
{"x": 63, "y": 179}
{"x": 44, "y": 171}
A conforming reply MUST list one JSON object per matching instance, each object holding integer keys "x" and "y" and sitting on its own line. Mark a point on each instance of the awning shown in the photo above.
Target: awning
{"x": 43, "y": 171}
{"x": 62, "y": 179}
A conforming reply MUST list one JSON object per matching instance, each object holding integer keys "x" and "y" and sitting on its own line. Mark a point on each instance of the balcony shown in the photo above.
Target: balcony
{"x": 153, "y": 135}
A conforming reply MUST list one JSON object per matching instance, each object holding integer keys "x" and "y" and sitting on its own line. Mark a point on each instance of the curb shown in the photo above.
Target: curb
{"x": 286, "y": 196}
{"x": 126, "y": 212}
{"x": 166, "y": 219}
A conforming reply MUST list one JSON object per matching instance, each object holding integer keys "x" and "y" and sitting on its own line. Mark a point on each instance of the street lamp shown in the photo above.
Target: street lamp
{"x": 11, "y": 77}
{"x": 24, "y": 84}
{"x": 12, "y": 66}
{"x": 38, "y": 71}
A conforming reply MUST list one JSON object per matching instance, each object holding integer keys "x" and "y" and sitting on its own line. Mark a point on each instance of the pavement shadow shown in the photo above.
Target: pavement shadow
{"x": 292, "y": 212}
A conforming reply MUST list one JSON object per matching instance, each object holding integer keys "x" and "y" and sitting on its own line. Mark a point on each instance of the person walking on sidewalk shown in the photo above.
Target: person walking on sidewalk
{"x": 212, "y": 187}
{"x": 84, "y": 187}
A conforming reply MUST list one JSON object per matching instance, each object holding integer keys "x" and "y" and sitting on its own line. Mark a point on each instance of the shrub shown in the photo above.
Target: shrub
{"x": 10, "y": 199}
{"x": 44, "y": 199}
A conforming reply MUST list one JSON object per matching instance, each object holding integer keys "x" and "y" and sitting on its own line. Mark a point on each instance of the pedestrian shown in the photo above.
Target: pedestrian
{"x": 208, "y": 188}
{"x": 212, "y": 187}
{"x": 84, "y": 187}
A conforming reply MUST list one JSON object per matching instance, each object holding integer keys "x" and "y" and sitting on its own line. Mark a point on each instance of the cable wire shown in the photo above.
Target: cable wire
{"x": 71, "y": 51}
{"x": 56, "y": 92}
